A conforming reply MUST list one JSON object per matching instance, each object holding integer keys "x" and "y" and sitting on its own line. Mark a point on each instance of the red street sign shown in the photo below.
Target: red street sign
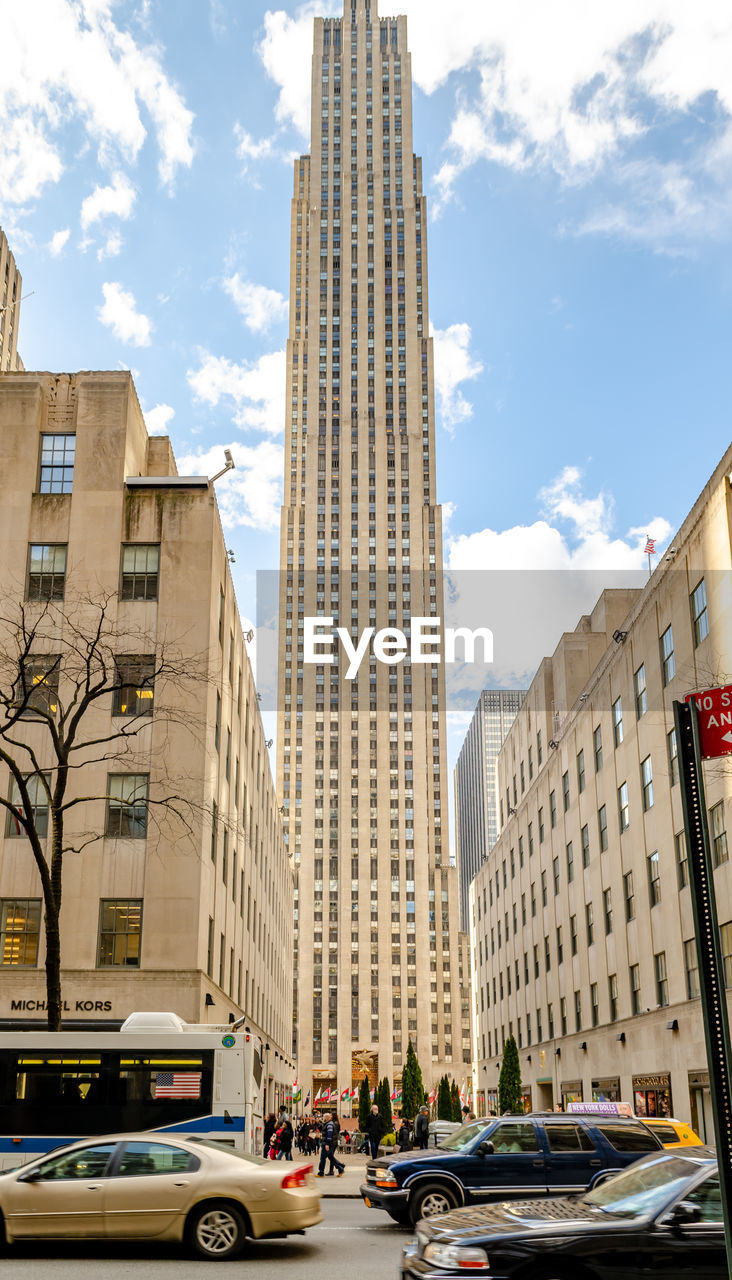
{"x": 715, "y": 721}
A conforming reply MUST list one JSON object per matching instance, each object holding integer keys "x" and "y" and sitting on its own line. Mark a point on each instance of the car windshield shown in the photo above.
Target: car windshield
{"x": 642, "y": 1190}
{"x": 462, "y": 1137}
{"x": 224, "y": 1149}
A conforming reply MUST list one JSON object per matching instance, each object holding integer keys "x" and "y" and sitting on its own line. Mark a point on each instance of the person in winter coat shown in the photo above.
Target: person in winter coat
{"x": 374, "y": 1131}
{"x": 422, "y": 1128}
{"x": 328, "y": 1143}
{"x": 285, "y": 1134}
{"x": 269, "y": 1128}
{"x": 403, "y": 1136}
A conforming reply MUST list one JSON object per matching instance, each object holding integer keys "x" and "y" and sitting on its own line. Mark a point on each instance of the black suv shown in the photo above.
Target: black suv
{"x": 508, "y": 1158}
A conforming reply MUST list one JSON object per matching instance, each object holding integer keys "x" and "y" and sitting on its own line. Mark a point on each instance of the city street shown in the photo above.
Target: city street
{"x": 349, "y": 1234}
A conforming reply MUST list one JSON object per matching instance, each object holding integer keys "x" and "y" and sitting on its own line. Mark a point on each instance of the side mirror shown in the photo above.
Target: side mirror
{"x": 486, "y": 1148}
{"x": 683, "y": 1214}
{"x": 33, "y": 1175}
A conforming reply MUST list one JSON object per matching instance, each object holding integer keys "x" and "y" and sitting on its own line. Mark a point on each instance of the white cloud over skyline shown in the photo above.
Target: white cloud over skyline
{"x": 256, "y": 389}
{"x": 119, "y": 313}
{"x": 158, "y": 419}
{"x": 259, "y": 306}
{"x": 251, "y": 494}
{"x": 454, "y": 365}
{"x": 117, "y": 199}
{"x": 58, "y": 241}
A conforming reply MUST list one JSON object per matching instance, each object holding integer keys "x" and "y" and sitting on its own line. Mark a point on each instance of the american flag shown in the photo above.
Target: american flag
{"x": 178, "y": 1084}
{"x": 650, "y": 547}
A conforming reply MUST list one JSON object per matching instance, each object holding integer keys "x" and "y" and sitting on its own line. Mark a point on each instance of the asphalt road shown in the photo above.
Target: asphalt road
{"x": 349, "y": 1236}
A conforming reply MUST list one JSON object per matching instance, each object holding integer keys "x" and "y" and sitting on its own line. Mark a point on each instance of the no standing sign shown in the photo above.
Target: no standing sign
{"x": 714, "y": 707}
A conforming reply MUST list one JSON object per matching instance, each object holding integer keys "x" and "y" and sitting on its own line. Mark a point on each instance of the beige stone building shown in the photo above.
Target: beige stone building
{"x": 192, "y": 917}
{"x": 10, "y": 291}
{"x": 582, "y": 928}
{"x": 361, "y": 763}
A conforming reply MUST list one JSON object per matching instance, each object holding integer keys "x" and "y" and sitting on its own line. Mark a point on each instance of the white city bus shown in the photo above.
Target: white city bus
{"x": 156, "y": 1072}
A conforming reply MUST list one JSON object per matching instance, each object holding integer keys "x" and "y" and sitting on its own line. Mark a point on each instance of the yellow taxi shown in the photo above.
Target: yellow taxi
{"x": 673, "y": 1133}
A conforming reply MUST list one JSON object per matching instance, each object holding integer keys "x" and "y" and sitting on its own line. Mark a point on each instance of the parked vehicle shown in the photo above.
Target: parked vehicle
{"x": 661, "y": 1216}
{"x": 673, "y": 1133}
{"x": 510, "y": 1157}
{"x": 142, "y": 1186}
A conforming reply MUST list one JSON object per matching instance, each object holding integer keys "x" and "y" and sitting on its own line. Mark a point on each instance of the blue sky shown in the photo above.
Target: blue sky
{"x": 578, "y": 164}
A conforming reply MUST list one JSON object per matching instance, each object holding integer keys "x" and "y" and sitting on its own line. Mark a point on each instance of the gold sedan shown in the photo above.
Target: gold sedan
{"x": 143, "y": 1186}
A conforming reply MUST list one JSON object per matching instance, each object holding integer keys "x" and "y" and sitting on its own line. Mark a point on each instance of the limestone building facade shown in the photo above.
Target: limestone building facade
{"x": 10, "y": 291}
{"x": 194, "y": 917}
{"x": 582, "y": 927}
{"x": 362, "y": 762}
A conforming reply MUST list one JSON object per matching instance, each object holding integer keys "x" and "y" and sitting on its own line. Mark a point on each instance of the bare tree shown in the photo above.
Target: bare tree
{"x": 78, "y": 691}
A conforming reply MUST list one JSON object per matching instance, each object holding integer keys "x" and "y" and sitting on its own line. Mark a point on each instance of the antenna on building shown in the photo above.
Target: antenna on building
{"x": 249, "y": 636}
{"x": 229, "y": 466}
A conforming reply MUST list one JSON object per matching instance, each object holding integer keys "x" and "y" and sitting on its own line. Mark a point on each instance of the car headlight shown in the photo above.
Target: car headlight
{"x": 386, "y": 1179}
{"x": 453, "y": 1255}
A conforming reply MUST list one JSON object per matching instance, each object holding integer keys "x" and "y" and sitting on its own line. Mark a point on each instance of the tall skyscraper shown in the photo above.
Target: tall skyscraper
{"x": 477, "y": 806}
{"x": 361, "y": 762}
{"x": 10, "y": 290}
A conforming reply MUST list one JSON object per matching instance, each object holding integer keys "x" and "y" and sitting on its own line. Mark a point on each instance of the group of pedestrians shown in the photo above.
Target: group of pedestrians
{"x": 323, "y": 1133}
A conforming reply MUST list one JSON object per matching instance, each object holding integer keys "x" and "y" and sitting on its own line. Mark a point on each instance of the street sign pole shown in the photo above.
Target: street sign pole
{"x": 709, "y": 950}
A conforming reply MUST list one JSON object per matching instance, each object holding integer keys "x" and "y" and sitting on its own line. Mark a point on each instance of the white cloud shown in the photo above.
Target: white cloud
{"x": 251, "y": 494}
{"x": 453, "y": 366}
{"x": 117, "y": 199}
{"x": 119, "y": 313}
{"x": 158, "y": 418}
{"x": 261, "y": 307}
{"x": 587, "y": 544}
{"x": 247, "y": 149}
{"x": 111, "y": 247}
{"x": 57, "y": 241}
{"x": 257, "y": 390}
{"x": 65, "y": 60}
{"x": 286, "y": 54}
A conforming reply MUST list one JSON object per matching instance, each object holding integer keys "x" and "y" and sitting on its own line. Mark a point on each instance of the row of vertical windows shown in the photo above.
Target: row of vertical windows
{"x": 47, "y": 563}
{"x": 118, "y": 940}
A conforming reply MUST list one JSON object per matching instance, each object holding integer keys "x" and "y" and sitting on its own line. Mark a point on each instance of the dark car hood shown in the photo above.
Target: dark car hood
{"x": 522, "y": 1218}
{"x": 407, "y": 1156}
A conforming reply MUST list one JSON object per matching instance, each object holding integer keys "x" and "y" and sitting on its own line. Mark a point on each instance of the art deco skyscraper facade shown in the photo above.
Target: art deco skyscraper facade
{"x": 10, "y": 289}
{"x": 361, "y": 763}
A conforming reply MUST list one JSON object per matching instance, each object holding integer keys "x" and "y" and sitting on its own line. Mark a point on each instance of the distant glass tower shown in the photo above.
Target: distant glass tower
{"x": 476, "y": 784}
{"x": 361, "y": 764}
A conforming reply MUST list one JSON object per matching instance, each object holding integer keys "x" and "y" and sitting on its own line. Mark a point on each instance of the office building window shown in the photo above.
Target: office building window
{"x": 581, "y": 772}
{"x": 720, "y": 853}
{"x": 612, "y": 990}
{"x": 565, "y": 790}
{"x": 573, "y": 934}
{"x": 725, "y": 934}
{"x": 38, "y": 797}
{"x": 659, "y": 965}
{"x": 585, "y": 838}
{"x": 127, "y": 805}
{"x": 597, "y": 747}
{"x": 699, "y": 615}
{"x": 647, "y": 783}
{"x": 668, "y": 661}
{"x": 578, "y": 1010}
{"x": 555, "y": 871}
{"x": 120, "y": 928}
{"x": 57, "y": 463}
{"x": 673, "y": 757}
{"x": 139, "y": 571}
{"x": 570, "y": 863}
{"x": 623, "y": 809}
{"x": 20, "y": 932}
{"x": 553, "y": 808}
{"x": 590, "y": 924}
{"x": 46, "y": 571}
{"x": 682, "y": 859}
{"x": 691, "y": 966}
{"x": 36, "y": 689}
{"x": 595, "y": 1004}
{"x": 629, "y": 895}
{"x": 635, "y": 989}
{"x": 654, "y": 878}
{"x": 641, "y": 692}
{"x": 618, "y": 721}
{"x": 602, "y": 827}
{"x": 135, "y": 685}
{"x": 607, "y": 907}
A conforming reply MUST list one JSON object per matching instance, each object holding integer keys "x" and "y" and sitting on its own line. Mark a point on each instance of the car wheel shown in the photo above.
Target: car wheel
{"x": 217, "y": 1232}
{"x": 431, "y": 1201}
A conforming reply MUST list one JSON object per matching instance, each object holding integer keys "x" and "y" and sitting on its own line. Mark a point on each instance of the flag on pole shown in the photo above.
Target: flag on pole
{"x": 297, "y": 1096}
{"x": 372, "y": 1095}
{"x": 354, "y": 1094}
{"x": 650, "y": 546}
{"x": 316, "y": 1099}
{"x": 307, "y": 1100}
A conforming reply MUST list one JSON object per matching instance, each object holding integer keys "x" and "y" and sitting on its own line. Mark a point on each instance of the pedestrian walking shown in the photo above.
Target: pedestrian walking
{"x": 328, "y": 1143}
{"x": 269, "y": 1127}
{"x": 285, "y": 1134}
{"x": 403, "y": 1136}
{"x": 374, "y": 1131}
{"x": 422, "y": 1128}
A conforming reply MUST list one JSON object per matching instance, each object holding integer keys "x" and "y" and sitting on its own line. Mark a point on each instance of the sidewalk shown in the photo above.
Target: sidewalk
{"x": 345, "y": 1188}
